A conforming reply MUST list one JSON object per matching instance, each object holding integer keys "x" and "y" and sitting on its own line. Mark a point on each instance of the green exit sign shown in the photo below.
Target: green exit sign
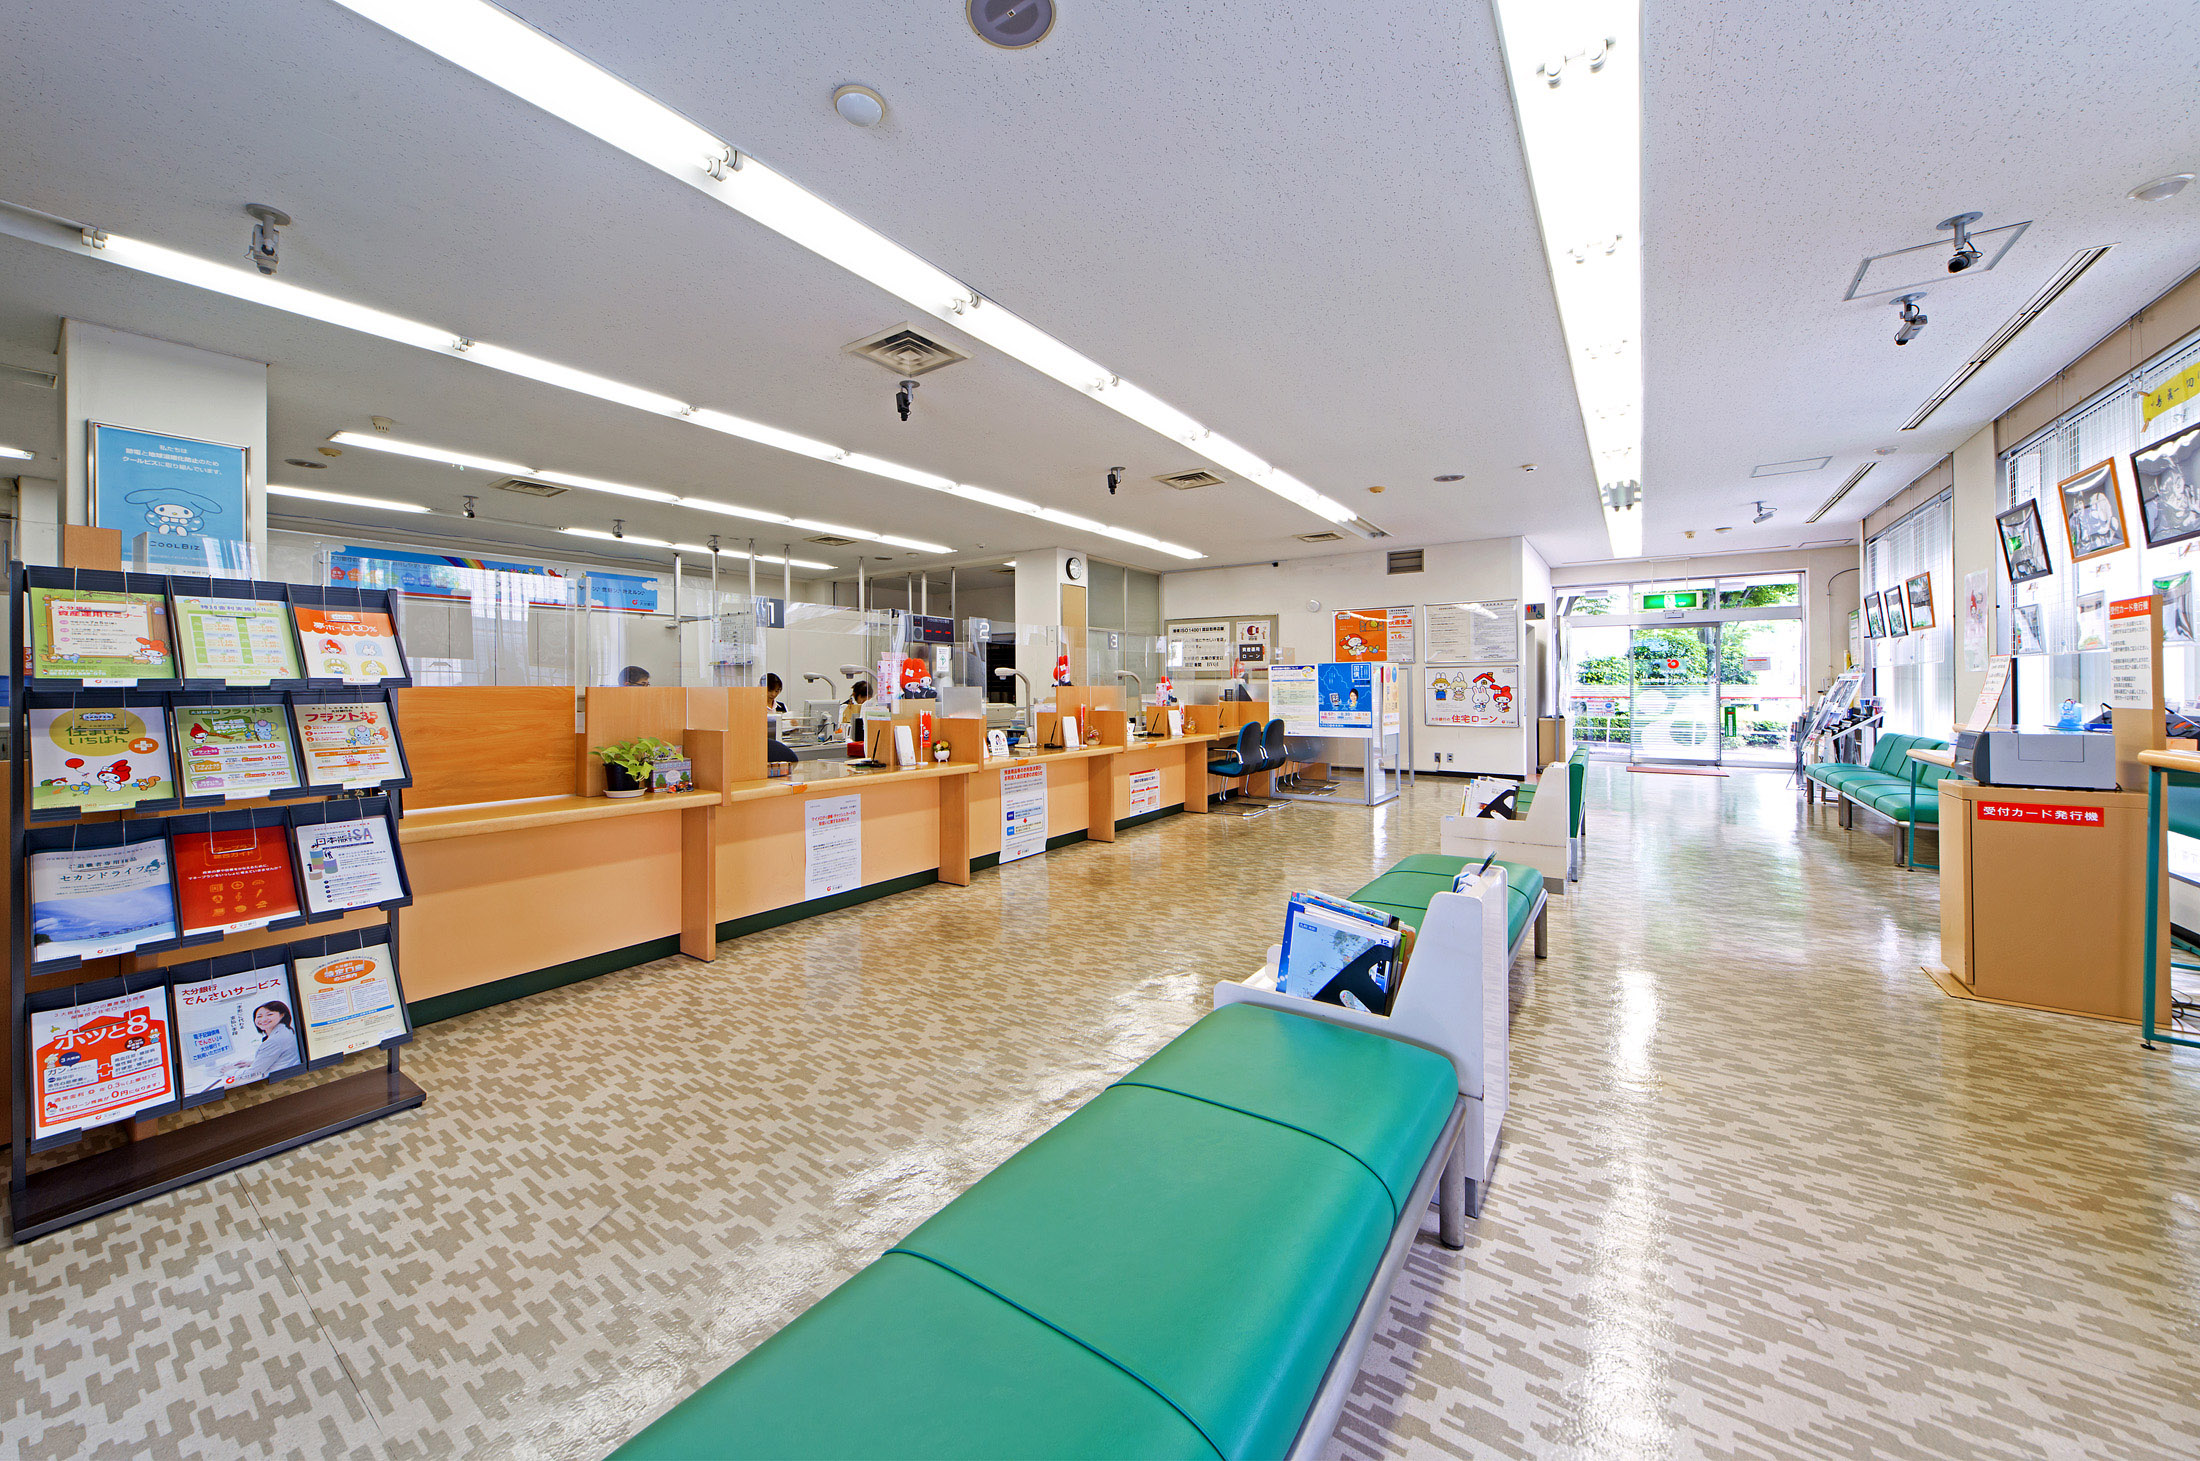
{"x": 1692, "y": 598}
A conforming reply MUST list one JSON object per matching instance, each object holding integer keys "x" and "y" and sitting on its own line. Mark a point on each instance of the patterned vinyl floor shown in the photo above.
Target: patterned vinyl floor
{"x": 1765, "y": 1192}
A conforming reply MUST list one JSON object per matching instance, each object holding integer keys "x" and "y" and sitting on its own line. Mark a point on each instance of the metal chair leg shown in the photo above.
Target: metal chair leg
{"x": 1451, "y": 1196}
{"x": 1543, "y": 932}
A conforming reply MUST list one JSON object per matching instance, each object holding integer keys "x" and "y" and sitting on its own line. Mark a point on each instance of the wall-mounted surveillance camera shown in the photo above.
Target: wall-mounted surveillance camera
{"x": 1913, "y": 319}
{"x": 1966, "y": 252}
{"x": 1115, "y": 479}
{"x": 904, "y": 397}
{"x": 1764, "y": 514}
{"x": 618, "y": 527}
{"x": 469, "y": 507}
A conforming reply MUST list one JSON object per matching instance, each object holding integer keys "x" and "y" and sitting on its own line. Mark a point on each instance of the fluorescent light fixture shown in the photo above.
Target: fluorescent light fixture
{"x": 251, "y": 286}
{"x": 615, "y": 489}
{"x": 635, "y": 538}
{"x": 373, "y": 441}
{"x": 345, "y": 499}
{"x": 16, "y": 454}
{"x": 758, "y": 557}
{"x": 1576, "y": 77}
{"x": 507, "y": 52}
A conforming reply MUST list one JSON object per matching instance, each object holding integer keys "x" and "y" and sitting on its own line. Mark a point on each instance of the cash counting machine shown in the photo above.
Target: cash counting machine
{"x": 2069, "y": 760}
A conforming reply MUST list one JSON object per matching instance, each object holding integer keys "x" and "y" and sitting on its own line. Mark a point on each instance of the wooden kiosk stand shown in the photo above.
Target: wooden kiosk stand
{"x": 2042, "y": 891}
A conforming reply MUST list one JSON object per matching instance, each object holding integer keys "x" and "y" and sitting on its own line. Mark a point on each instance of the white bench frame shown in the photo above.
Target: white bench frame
{"x": 1542, "y": 840}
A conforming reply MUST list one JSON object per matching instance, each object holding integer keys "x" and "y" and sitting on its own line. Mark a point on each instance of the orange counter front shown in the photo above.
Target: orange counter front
{"x": 526, "y": 877}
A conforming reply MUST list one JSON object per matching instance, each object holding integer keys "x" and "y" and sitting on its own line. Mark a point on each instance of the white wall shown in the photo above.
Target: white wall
{"x": 1490, "y": 568}
{"x": 119, "y": 379}
{"x": 1975, "y": 544}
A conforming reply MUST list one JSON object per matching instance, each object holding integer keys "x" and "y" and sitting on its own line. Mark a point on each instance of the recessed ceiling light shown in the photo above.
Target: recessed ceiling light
{"x": 343, "y": 498}
{"x": 306, "y": 462}
{"x": 2161, "y": 188}
{"x": 860, "y": 105}
{"x": 1722, "y": 530}
{"x": 1374, "y": 489}
{"x": 330, "y": 451}
{"x": 1452, "y": 477}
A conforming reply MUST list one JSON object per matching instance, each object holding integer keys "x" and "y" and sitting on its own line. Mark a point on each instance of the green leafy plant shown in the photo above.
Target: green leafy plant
{"x": 633, "y": 757}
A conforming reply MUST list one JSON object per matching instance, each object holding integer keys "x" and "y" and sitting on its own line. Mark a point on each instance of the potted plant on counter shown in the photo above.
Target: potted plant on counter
{"x": 626, "y": 764}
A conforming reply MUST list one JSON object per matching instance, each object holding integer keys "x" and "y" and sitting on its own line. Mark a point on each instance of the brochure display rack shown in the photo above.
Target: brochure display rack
{"x": 201, "y": 765}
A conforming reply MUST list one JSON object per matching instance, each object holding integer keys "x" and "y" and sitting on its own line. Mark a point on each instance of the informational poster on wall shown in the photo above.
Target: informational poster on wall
{"x": 184, "y": 497}
{"x": 832, "y": 845}
{"x": 1294, "y": 699}
{"x": 1478, "y": 632}
{"x": 1145, "y": 792}
{"x": 1256, "y": 641}
{"x": 1978, "y": 614}
{"x": 1362, "y": 636}
{"x": 2131, "y": 654}
{"x": 98, "y": 1062}
{"x": 1470, "y": 695}
{"x": 1399, "y": 636}
{"x": 1023, "y": 812}
{"x": 1200, "y": 645}
{"x": 1346, "y": 697}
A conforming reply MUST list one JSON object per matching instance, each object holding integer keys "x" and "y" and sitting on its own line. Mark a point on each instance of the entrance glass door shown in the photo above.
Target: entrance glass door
{"x": 1676, "y": 700}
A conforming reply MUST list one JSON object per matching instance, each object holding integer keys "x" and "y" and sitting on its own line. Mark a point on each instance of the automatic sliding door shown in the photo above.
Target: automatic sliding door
{"x": 1676, "y": 703}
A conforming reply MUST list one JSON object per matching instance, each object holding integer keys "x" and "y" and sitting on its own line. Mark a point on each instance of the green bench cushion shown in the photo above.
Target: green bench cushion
{"x": 1166, "y": 1273}
{"x": 1894, "y": 801}
{"x": 1524, "y": 798}
{"x": 1413, "y": 880}
{"x": 1311, "y": 1075}
{"x": 1216, "y": 1256}
{"x": 906, "y": 1359}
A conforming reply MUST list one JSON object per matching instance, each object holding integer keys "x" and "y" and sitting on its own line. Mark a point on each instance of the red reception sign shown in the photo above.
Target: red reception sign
{"x": 2031, "y": 812}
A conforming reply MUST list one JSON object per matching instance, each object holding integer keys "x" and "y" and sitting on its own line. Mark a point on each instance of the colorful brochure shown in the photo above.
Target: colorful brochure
{"x": 235, "y": 880}
{"x": 234, "y": 750}
{"x": 237, "y": 1029}
{"x": 350, "y": 744}
{"x": 99, "y": 1062}
{"x": 347, "y": 864}
{"x": 357, "y": 646}
{"x": 109, "y": 638}
{"x": 98, "y": 760}
{"x": 99, "y": 901}
{"x": 351, "y": 1000}
{"x": 1337, "y": 957}
{"x": 243, "y": 641}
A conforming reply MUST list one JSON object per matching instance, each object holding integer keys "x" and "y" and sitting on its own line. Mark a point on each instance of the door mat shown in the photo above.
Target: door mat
{"x": 1677, "y": 770}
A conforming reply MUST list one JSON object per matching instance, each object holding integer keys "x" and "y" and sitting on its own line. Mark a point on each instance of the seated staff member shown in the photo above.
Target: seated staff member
{"x": 633, "y": 675}
{"x": 851, "y": 716}
{"x": 776, "y": 751}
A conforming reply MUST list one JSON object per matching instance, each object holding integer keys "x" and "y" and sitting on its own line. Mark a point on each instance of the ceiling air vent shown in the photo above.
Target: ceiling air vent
{"x": 1921, "y": 264}
{"x": 1321, "y": 537}
{"x": 827, "y": 540}
{"x": 1186, "y": 481}
{"x": 527, "y": 487}
{"x": 905, "y": 352}
{"x": 1789, "y": 469}
{"x": 1405, "y": 560}
{"x": 311, "y": 466}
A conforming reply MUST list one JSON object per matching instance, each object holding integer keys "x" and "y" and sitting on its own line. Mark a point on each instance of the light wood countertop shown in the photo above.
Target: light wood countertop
{"x": 433, "y": 826}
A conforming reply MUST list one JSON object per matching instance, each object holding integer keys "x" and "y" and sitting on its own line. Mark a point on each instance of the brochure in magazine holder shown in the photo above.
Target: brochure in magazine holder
{"x": 117, "y": 648}
{"x": 1451, "y": 998}
{"x": 369, "y": 741}
{"x": 350, "y": 636}
{"x": 234, "y": 633}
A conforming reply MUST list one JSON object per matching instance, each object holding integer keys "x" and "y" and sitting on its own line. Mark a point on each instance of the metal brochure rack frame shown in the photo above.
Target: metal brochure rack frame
{"x": 112, "y": 1176}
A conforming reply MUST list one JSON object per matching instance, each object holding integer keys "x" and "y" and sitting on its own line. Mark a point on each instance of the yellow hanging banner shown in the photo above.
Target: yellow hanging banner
{"x": 2175, "y": 391}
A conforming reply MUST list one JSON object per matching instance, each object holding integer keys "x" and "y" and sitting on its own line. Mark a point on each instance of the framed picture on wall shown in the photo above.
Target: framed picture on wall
{"x": 2167, "y": 475}
{"x": 2026, "y": 636}
{"x": 1898, "y": 623}
{"x": 2024, "y": 542}
{"x": 1875, "y": 619}
{"x": 2093, "y": 511}
{"x": 1919, "y": 591}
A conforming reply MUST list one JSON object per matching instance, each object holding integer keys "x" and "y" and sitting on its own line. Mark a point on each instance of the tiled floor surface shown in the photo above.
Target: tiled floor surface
{"x": 1765, "y": 1192}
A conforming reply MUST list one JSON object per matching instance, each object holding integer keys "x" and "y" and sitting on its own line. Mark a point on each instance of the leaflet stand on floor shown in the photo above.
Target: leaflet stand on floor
{"x": 149, "y": 1161}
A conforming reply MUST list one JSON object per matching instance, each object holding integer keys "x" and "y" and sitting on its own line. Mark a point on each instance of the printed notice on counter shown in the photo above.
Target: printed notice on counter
{"x": 2131, "y": 654}
{"x": 832, "y": 845}
{"x": 1023, "y": 812}
{"x": 1145, "y": 792}
{"x": 1990, "y": 693}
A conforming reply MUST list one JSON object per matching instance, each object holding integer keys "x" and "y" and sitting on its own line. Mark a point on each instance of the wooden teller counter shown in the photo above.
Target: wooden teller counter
{"x": 526, "y": 876}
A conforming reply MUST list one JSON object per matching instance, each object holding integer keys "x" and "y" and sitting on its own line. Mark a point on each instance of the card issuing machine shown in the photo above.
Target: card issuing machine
{"x": 2069, "y": 760}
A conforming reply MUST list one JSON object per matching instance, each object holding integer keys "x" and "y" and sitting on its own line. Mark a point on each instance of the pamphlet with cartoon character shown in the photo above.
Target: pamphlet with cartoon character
{"x": 348, "y": 744}
{"x": 99, "y": 637}
{"x": 100, "y": 759}
{"x": 234, "y": 750}
{"x": 357, "y": 646}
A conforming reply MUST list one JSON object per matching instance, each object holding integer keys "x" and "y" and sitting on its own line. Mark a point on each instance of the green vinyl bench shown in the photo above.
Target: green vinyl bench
{"x": 1892, "y": 784}
{"x": 1191, "y": 1265}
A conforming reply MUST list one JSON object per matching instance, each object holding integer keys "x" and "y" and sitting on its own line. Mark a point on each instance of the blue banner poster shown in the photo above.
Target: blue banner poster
{"x": 185, "y": 497}
{"x": 442, "y": 576}
{"x": 1346, "y": 693}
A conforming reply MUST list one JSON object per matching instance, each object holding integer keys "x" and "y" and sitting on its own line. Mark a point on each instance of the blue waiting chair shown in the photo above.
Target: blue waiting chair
{"x": 1242, "y": 761}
